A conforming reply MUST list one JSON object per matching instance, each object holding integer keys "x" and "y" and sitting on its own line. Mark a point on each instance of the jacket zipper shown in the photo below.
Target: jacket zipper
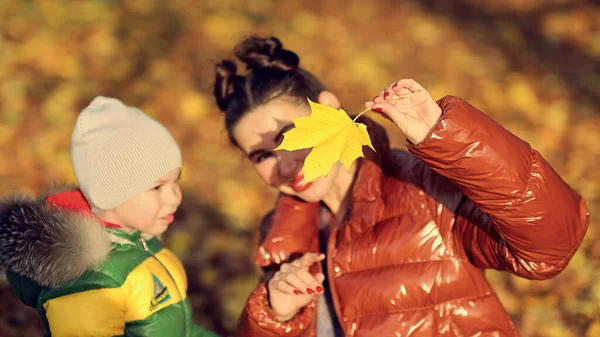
{"x": 144, "y": 244}
{"x": 172, "y": 279}
{"x": 331, "y": 277}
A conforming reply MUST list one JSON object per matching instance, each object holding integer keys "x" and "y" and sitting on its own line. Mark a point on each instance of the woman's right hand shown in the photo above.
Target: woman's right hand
{"x": 293, "y": 286}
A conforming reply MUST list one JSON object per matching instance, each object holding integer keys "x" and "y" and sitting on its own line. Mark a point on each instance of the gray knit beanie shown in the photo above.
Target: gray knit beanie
{"x": 118, "y": 151}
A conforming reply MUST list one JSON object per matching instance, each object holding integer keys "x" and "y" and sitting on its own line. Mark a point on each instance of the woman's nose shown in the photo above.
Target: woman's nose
{"x": 285, "y": 164}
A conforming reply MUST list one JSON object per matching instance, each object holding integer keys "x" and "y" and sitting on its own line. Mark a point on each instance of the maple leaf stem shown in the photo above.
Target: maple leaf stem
{"x": 396, "y": 97}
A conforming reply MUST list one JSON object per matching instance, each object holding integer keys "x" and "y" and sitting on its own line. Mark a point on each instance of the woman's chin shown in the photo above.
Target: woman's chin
{"x": 311, "y": 194}
{"x": 309, "y": 197}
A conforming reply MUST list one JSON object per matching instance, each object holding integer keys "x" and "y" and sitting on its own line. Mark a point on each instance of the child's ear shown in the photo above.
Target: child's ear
{"x": 329, "y": 98}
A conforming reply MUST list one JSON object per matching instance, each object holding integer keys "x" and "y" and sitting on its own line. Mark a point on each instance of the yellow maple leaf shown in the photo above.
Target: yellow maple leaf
{"x": 333, "y": 137}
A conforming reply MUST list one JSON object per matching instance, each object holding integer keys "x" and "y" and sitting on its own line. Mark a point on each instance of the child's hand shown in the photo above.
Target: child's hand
{"x": 293, "y": 287}
{"x": 414, "y": 114}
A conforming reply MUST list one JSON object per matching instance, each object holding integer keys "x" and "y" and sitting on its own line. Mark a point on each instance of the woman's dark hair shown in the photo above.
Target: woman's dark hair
{"x": 271, "y": 72}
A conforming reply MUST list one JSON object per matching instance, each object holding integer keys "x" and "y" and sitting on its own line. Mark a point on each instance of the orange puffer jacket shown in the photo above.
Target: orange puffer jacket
{"x": 408, "y": 259}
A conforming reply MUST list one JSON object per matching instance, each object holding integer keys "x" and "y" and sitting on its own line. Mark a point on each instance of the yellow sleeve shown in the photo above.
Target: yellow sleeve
{"x": 98, "y": 312}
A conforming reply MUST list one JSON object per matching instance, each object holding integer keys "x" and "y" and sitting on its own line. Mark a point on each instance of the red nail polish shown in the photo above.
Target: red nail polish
{"x": 319, "y": 289}
{"x": 395, "y": 85}
{"x": 377, "y": 109}
{"x": 310, "y": 291}
{"x": 386, "y": 95}
{"x": 297, "y": 292}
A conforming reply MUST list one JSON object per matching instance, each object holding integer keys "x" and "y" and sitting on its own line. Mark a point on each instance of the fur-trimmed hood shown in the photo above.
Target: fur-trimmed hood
{"x": 51, "y": 240}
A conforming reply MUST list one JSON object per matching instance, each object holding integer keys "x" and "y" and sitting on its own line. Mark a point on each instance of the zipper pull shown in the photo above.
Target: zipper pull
{"x": 144, "y": 244}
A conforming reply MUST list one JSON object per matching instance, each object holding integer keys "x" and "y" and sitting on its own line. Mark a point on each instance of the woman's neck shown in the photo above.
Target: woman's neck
{"x": 340, "y": 195}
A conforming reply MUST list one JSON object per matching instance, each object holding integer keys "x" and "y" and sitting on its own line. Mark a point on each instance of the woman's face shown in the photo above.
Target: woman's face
{"x": 261, "y": 130}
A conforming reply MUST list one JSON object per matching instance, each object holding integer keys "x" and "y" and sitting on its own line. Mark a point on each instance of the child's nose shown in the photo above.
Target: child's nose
{"x": 172, "y": 196}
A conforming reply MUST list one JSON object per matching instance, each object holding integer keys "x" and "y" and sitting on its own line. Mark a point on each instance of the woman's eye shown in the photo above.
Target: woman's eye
{"x": 157, "y": 187}
{"x": 262, "y": 157}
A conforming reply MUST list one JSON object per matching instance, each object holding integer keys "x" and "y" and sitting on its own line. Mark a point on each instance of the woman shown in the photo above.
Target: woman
{"x": 404, "y": 237}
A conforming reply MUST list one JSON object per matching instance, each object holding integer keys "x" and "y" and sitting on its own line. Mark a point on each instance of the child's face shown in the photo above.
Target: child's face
{"x": 152, "y": 210}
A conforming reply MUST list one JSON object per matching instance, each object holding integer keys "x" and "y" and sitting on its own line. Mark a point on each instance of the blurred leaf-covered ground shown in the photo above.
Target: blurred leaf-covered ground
{"x": 533, "y": 65}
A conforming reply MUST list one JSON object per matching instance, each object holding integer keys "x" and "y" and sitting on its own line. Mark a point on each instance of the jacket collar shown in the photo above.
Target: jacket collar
{"x": 76, "y": 202}
{"x": 367, "y": 184}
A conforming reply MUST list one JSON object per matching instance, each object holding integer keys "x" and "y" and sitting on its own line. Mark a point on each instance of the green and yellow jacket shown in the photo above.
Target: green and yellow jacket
{"x": 90, "y": 278}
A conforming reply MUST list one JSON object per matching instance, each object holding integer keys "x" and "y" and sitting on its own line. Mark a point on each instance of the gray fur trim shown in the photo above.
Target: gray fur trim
{"x": 50, "y": 246}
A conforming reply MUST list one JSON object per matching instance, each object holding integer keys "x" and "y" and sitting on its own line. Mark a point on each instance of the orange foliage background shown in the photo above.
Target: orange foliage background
{"x": 533, "y": 65}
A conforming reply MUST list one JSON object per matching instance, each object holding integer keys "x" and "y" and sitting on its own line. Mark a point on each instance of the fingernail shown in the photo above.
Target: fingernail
{"x": 395, "y": 85}
{"x": 374, "y": 98}
{"x": 386, "y": 95}
{"x": 297, "y": 292}
{"x": 319, "y": 289}
{"x": 321, "y": 255}
{"x": 310, "y": 291}
{"x": 377, "y": 109}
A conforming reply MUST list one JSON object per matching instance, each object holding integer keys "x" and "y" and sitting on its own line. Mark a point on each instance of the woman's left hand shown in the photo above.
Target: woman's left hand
{"x": 415, "y": 115}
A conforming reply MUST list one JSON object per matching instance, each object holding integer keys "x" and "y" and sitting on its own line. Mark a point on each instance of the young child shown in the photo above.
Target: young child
{"x": 88, "y": 259}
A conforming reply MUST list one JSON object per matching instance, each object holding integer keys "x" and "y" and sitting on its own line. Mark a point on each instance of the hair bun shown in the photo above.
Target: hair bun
{"x": 224, "y": 82}
{"x": 259, "y": 53}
